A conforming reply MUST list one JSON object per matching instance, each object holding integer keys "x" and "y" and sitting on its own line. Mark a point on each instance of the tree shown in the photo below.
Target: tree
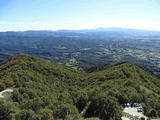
{"x": 2, "y": 86}
{"x": 16, "y": 96}
{"x": 63, "y": 110}
{"x": 153, "y": 113}
{"x": 45, "y": 114}
{"x": 26, "y": 115}
{"x": 122, "y": 98}
{"x": 5, "y": 110}
{"x": 105, "y": 107}
{"x": 37, "y": 104}
{"x": 81, "y": 103}
{"x": 142, "y": 118}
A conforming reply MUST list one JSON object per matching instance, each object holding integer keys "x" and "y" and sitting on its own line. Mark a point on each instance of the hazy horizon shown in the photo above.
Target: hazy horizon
{"x": 78, "y": 29}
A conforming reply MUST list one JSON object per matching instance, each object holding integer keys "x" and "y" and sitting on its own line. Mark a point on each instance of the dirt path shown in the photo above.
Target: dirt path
{"x": 1, "y": 93}
{"x": 125, "y": 118}
{"x": 133, "y": 112}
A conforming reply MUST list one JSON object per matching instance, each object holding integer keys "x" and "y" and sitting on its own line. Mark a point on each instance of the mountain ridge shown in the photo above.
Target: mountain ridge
{"x": 40, "y": 84}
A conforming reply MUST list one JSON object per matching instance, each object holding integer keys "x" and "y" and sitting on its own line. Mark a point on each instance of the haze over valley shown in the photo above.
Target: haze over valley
{"x": 75, "y": 48}
{"x": 79, "y": 60}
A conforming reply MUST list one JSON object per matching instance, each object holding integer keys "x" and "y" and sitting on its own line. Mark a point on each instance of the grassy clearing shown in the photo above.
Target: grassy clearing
{"x": 85, "y": 49}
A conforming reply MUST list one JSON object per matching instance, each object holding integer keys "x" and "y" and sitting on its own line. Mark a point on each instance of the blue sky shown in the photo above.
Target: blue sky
{"x": 78, "y": 14}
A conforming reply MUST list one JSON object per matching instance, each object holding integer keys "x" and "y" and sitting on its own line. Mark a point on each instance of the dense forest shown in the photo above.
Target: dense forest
{"x": 43, "y": 90}
{"x": 75, "y": 48}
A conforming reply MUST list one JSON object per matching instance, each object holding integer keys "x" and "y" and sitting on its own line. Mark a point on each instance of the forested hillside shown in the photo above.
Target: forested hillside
{"x": 44, "y": 90}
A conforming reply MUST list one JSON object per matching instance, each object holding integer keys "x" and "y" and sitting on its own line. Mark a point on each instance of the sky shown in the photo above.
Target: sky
{"x": 20, "y": 15}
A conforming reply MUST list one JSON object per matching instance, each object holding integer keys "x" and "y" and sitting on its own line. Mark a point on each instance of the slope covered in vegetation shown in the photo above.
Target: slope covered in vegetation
{"x": 45, "y": 91}
{"x": 128, "y": 83}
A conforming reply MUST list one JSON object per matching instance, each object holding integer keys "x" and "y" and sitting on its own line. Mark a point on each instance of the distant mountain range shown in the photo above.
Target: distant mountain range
{"x": 84, "y": 31}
